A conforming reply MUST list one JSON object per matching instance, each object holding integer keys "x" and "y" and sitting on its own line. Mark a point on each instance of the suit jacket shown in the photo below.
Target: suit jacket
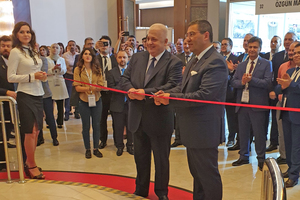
{"x": 202, "y": 125}
{"x": 259, "y": 86}
{"x": 292, "y": 93}
{"x": 114, "y": 63}
{"x": 113, "y": 81}
{"x": 166, "y": 75}
{"x": 266, "y": 56}
{"x": 4, "y": 86}
{"x": 231, "y": 91}
{"x": 277, "y": 60}
{"x": 182, "y": 58}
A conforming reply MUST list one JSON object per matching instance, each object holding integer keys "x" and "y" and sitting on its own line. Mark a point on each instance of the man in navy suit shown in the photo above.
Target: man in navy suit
{"x": 201, "y": 125}
{"x": 151, "y": 125}
{"x": 289, "y": 85}
{"x": 119, "y": 105}
{"x": 275, "y": 44}
{"x": 232, "y": 119}
{"x": 278, "y": 59}
{"x": 252, "y": 80}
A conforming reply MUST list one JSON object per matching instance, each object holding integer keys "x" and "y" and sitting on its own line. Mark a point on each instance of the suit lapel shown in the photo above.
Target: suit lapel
{"x": 142, "y": 69}
{"x": 161, "y": 63}
{"x": 256, "y": 66}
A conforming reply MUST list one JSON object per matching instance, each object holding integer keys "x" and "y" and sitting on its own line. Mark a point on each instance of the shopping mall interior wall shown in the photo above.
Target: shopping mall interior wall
{"x": 64, "y": 20}
{"x": 213, "y": 17}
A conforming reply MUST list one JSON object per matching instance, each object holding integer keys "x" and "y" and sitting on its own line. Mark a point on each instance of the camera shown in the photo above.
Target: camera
{"x": 105, "y": 44}
{"x": 126, "y": 33}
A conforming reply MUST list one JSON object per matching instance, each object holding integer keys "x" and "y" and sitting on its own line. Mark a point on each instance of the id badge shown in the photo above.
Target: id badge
{"x": 56, "y": 81}
{"x": 245, "y": 96}
{"x": 92, "y": 100}
{"x": 104, "y": 85}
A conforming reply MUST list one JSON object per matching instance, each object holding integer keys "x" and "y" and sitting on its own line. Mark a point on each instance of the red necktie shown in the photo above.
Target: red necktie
{"x": 251, "y": 67}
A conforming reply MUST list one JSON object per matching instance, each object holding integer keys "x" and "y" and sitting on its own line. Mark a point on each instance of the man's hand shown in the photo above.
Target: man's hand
{"x": 285, "y": 81}
{"x": 132, "y": 94}
{"x": 231, "y": 65}
{"x": 121, "y": 34}
{"x": 11, "y": 94}
{"x": 272, "y": 95}
{"x": 158, "y": 101}
{"x": 246, "y": 78}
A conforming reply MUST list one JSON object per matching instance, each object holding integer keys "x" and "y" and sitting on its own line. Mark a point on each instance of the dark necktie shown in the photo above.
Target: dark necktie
{"x": 251, "y": 67}
{"x": 105, "y": 60}
{"x": 194, "y": 63}
{"x": 150, "y": 69}
{"x": 286, "y": 57}
{"x": 187, "y": 58}
{"x": 122, "y": 72}
{"x": 31, "y": 55}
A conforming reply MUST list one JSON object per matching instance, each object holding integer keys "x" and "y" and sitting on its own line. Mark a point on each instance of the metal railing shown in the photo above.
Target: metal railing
{"x": 15, "y": 121}
{"x": 272, "y": 187}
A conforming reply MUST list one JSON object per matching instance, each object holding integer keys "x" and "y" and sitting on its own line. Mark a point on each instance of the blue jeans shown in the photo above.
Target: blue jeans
{"x": 86, "y": 112}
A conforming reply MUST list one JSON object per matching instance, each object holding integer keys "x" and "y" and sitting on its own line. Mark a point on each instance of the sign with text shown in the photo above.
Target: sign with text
{"x": 276, "y": 6}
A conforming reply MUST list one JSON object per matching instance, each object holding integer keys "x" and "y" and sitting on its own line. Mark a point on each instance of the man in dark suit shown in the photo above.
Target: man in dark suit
{"x": 278, "y": 59}
{"x": 185, "y": 57}
{"x": 179, "y": 46}
{"x": 289, "y": 85}
{"x": 232, "y": 119}
{"x": 119, "y": 105}
{"x": 275, "y": 44}
{"x": 107, "y": 62}
{"x": 6, "y": 89}
{"x": 252, "y": 80}
{"x": 152, "y": 126}
{"x": 201, "y": 125}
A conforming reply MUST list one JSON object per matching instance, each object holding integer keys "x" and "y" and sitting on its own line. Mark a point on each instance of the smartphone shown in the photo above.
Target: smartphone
{"x": 126, "y": 33}
{"x": 105, "y": 44}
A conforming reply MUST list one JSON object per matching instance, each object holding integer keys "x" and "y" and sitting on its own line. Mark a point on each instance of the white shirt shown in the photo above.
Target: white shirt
{"x": 249, "y": 65}
{"x": 69, "y": 58}
{"x": 20, "y": 67}
{"x": 5, "y": 60}
{"x": 203, "y": 52}
{"x": 189, "y": 58}
{"x": 156, "y": 61}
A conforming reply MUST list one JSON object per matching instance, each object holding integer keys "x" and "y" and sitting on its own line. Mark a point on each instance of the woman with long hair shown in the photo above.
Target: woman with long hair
{"x": 90, "y": 104}
{"x": 24, "y": 68}
{"x": 56, "y": 69}
{"x": 43, "y": 51}
{"x": 62, "y": 49}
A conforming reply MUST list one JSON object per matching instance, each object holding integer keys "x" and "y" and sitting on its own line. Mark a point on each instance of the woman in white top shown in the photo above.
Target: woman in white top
{"x": 24, "y": 68}
{"x": 56, "y": 69}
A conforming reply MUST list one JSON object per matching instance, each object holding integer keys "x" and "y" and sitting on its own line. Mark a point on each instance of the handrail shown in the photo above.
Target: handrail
{"x": 15, "y": 121}
{"x": 272, "y": 186}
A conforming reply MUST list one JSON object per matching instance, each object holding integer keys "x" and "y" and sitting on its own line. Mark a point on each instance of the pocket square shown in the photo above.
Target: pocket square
{"x": 193, "y": 73}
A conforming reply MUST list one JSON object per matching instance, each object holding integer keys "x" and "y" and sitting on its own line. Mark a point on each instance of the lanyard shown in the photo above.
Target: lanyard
{"x": 295, "y": 74}
{"x": 90, "y": 76}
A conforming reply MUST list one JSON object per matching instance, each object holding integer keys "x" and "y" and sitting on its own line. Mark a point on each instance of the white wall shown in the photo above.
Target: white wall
{"x": 64, "y": 20}
{"x": 213, "y": 17}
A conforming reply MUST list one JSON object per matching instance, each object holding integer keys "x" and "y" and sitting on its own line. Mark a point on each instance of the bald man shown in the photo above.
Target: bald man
{"x": 152, "y": 126}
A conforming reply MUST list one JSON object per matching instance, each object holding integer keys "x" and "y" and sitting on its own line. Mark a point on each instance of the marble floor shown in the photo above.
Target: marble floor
{"x": 239, "y": 183}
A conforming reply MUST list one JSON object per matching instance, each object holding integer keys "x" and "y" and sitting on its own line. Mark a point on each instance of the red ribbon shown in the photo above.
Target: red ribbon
{"x": 196, "y": 101}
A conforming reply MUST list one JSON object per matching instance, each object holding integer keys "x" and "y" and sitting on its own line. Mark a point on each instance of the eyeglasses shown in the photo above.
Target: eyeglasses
{"x": 191, "y": 34}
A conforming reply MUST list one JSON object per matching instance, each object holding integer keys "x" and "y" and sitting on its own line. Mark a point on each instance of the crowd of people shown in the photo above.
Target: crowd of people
{"x": 196, "y": 67}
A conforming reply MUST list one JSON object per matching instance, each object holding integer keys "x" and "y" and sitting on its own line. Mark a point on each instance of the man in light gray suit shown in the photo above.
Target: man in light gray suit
{"x": 252, "y": 79}
{"x": 152, "y": 126}
{"x": 201, "y": 125}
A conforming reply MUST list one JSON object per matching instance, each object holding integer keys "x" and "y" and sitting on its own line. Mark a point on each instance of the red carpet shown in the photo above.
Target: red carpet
{"x": 122, "y": 183}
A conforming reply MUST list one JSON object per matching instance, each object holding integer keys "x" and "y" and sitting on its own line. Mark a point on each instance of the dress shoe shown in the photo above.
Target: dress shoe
{"x": 280, "y": 160}
{"x": 285, "y": 174}
{"x": 175, "y": 144}
{"x": 77, "y": 116}
{"x": 66, "y": 119}
{"x": 234, "y": 147}
{"x": 142, "y": 195}
{"x": 230, "y": 143}
{"x": 290, "y": 183}
{"x": 70, "y": 113}
{"x": 55, "y": 142}
{"x": 88, "y": 154}
{"x": 47, "y": 126}
{"x": 97, "y": 153}
{"x": 130, "y": 150}
{"x": 119, "y": 151}
{"x": 102, "y": 145}
{"x": 163, "y": 198}
{"x": 271, "y": 147}
{"x": 11, "y": 145}
{"x": 260, "y": 165}
{"x": 240, "y": 162}
{"x": 40, "y": 142}
{"x": 59, "y": 126}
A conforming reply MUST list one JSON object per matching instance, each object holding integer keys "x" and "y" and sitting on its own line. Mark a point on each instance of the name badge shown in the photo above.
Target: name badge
{"x": 92, "y": 100}
{"x": 245, "y": 96}
{"x": 105, "y": 85}
{"x": 56, "y": 81}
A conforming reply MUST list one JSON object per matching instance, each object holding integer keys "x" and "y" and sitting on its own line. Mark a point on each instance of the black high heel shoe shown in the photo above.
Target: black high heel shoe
{"x": 40, "y": 176}
{"x": 26, "y": 170}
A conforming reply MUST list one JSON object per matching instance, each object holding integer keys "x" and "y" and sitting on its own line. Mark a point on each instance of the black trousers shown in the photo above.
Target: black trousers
{"x": 60, "y": 111}
{"x": 105, "y": 96}
{"x": 232, "y": 122}
{"x": 203, "y": 164}
{"x": 274, "y": 126}
{"x": 177, "y": 131}
{"x": 143, "y": 145}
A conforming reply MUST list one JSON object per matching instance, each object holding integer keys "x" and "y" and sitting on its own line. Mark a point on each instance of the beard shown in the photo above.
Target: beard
{"x": 5, "y": 54}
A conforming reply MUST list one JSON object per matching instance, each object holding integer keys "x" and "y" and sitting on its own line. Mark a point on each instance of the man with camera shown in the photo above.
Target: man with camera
{"x": 107, "y": 62}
